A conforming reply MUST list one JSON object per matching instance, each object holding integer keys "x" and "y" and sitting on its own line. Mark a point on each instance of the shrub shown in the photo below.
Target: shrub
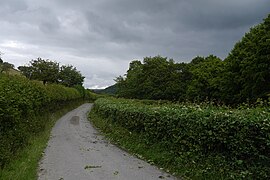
{"x": 241, "y": 136}
{"x": 21, "y": 102}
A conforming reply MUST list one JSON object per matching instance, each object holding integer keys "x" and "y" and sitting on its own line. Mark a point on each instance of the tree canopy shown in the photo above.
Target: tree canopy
{"x": 248, "y": 65}
{"x": 69, "y": 76}
{"x": 205, "y": 79}
{"x": 43, "y": 70}
{"x": 243, "y": 76}
{"x": 49, "y": 71}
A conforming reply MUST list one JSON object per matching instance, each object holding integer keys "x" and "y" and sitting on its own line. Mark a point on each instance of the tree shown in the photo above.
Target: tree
{"x": 156, "y": 75}
{"x": 206, "y": 73}
{"x": 179, "y": 80}
{"x": 129, "y": 86}
{"x": 69, "y": 76}
{"x": 155, "y": 78}
{"x": 248, "y": 66}
{"x": 27, "y": 71}
{"x": 145, "y": 80}
{"x": 43, "y": 70}
{"x": 120, "y": 86}
{"x": 49, "y": 72}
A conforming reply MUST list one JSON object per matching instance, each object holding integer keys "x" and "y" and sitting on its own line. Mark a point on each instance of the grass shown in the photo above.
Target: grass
{"x": 25, "y": 165}
{"x": 132, "y": 142}
{"x": 184, "y": 165}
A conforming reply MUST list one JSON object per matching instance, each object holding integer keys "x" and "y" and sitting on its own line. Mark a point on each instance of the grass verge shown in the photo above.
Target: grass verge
{"x": 184, "y": 165}
{"x": 133, "y": 143}
{"x": 25, "y": 165}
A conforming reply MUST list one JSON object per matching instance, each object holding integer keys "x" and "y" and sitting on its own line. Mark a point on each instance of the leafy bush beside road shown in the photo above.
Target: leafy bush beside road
{"x": 238, "y": 137}
{"x": 21, "y": 103}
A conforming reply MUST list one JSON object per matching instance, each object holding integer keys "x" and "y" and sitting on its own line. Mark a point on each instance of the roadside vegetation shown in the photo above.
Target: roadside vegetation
{"x": 228, "y": 138}
{"x": 30, "y": 103}
{"x": 24, "y": 164}
{"x": 49, "y": 71}
{"x": 198, "y": 141}
{"x": 243, "y": 76}
{"x": 22, "y": 103}
{"x": 207, "y": 119}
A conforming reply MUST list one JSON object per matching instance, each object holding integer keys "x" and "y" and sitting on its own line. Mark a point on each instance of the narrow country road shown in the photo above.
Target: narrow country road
{"x": 76, "y": 151}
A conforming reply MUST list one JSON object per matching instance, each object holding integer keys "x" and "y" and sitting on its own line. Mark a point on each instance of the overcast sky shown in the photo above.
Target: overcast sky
{"x": 101, "y": 37}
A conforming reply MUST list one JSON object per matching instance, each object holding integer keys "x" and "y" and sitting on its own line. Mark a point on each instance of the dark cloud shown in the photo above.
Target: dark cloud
{"x": 101, "y": 37}
{"x": 223, "y": 14}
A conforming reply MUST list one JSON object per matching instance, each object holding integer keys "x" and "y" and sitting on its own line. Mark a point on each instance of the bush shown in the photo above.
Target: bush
{"x": 240, "y": 136}
{"x": 21, "y": 103}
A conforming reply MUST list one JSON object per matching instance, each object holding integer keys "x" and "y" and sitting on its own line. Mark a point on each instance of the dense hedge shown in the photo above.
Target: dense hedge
{"x": 21, "y": 103}
{"x": 241, "y": 136}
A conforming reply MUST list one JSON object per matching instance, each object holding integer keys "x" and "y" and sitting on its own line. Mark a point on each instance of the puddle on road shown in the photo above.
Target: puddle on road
{"x": 75, "y": 120}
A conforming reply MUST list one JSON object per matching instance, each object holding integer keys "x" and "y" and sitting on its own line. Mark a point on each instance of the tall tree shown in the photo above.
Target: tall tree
{"x": 129, "y": 85}
{"x": 248, "y": 66}
{"x": 156, "y": 75}
{"x": 206, "y": 73}
{"x": 120, "y": 86}
{"x": 178, "y": 82}
{"x": 155, "y": 78}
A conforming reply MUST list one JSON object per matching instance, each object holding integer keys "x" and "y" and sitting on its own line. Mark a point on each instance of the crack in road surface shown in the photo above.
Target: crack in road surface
{"x": 76, "y": 151}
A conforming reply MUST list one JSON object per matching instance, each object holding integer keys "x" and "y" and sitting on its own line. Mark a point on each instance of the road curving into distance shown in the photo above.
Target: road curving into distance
{"x": 76, "y": 151}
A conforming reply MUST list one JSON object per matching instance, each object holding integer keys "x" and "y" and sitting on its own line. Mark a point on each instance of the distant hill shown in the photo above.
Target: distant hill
{"x": 108, "y": 90}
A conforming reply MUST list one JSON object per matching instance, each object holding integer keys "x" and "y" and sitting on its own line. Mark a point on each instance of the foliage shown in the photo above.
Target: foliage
{"x": 130, "y": 87}
{"x": 205, "y": 79}
{"x": 24, "y": 164}
{"x": 239, "y": 137}
{"x": 243, "y": 76}
{"x": 26, "y": 71}
{"x": 69, "y": 76}
{"x": 49, "y": 72}
{"x": 155, "y": 78}
{"x": 21, "y": 101}
{"x": 42, "y": 70}
{"x": 247, "y": 66}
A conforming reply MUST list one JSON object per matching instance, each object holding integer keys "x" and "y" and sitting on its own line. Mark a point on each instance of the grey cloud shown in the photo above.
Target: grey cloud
{"x": 223, "y": 14}
{"x": 112, "y": 27}
{"x": 12, "y": 6}
{"x": 101, "y": 37}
